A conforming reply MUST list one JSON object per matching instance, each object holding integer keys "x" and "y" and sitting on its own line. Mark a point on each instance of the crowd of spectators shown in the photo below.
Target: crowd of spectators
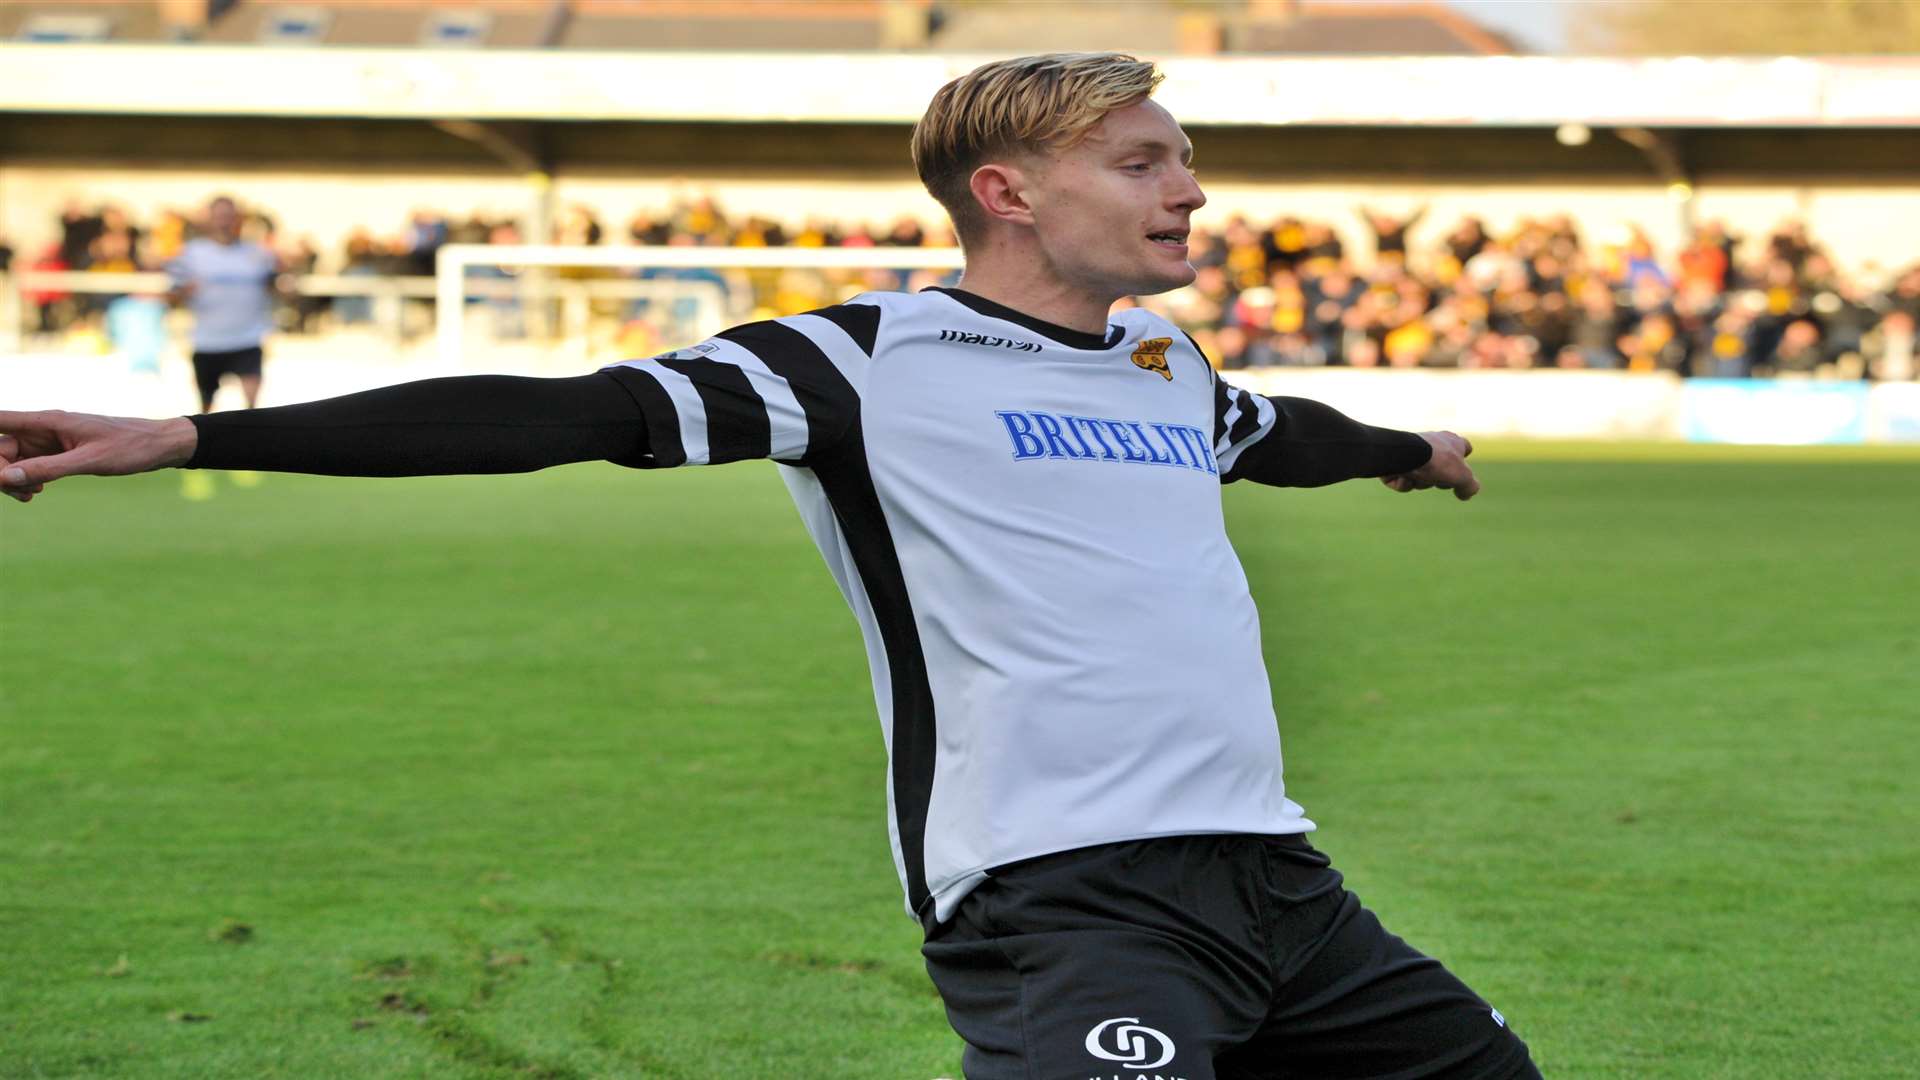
{"x": 1538, "y": 295}
{"x": 1286, "y": 292}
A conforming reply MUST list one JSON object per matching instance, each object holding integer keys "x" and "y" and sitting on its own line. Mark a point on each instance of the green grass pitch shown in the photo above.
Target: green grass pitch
{"x": 577, "y": 774}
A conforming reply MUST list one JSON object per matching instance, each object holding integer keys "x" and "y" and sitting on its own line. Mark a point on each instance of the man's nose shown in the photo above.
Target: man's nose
{"x": 1186, "y": 193}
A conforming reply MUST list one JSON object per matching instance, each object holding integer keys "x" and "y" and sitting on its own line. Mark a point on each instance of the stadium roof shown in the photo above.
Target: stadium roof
{"x": 1219, "y": 26}
{"x": 893, "y": 88}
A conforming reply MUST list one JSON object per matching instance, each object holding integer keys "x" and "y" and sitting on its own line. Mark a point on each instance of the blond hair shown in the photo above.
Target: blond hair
{"x": 1026, "y": 105}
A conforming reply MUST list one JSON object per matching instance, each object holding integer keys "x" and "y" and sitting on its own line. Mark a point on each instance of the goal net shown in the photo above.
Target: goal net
{"x": 544, "y": 307}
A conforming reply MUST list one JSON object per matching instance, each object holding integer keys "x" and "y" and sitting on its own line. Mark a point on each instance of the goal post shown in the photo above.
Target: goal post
{"x": 454, "y": 261}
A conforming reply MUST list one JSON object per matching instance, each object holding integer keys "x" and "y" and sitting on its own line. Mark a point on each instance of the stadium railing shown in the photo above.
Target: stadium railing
{"x": 387, "y": 293}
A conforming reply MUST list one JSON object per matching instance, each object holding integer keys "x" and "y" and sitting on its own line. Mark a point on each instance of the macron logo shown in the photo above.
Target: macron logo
{"x": 1035, "y": 434}
{"x": 965, "y": 338}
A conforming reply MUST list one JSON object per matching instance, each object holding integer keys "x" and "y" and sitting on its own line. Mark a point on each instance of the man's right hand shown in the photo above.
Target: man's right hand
{"x": 37, "y": 448}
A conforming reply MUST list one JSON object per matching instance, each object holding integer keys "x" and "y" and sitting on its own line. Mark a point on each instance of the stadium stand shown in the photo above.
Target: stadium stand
{"x": 1604, "y": 279}
{"x": 1281, "y": 292}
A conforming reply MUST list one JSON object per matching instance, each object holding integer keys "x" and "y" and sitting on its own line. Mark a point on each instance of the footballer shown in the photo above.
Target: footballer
{"x": 1018, "y": 491}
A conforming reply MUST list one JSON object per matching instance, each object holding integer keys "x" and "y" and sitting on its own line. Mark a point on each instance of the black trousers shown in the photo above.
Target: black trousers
{"x": 1225, "y": 957}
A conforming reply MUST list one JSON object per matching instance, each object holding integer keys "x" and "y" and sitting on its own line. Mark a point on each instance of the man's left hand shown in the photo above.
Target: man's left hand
{"x": 1446, "y": 469}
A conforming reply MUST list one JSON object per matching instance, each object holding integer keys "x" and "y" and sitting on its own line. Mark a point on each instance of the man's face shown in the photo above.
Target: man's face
{"x": 1111, "y": 213}
{"x": 223, "y": 219}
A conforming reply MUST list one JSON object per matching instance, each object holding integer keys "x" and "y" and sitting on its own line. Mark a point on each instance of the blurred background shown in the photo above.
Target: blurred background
{"x": 1633, "y": 219}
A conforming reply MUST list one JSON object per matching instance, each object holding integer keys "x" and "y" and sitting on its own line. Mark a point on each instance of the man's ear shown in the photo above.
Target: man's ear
{"x": 1001, "y": 190}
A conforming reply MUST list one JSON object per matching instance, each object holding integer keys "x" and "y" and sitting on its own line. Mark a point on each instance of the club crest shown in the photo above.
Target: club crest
{"x": 1151, "y": 355}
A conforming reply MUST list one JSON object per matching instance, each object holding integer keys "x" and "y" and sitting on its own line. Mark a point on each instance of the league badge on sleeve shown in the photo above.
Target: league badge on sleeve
{"x": 693, "y": 352}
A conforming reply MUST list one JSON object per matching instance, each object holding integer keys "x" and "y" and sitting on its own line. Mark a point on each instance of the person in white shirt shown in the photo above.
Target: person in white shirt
{"x": 230, "y": 285}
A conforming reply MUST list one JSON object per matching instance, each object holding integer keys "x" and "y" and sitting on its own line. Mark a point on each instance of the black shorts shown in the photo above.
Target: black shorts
{"x": 1200, "y": 957}
{"x": 209, "y": 367}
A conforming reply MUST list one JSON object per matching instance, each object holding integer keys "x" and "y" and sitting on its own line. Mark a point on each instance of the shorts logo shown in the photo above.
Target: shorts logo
{"x": 1151, "y": 355}
{"x": 1131, "y": 1043}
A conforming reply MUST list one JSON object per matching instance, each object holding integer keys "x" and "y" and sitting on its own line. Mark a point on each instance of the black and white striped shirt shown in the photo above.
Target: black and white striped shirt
{"x": 1026, "y": 521}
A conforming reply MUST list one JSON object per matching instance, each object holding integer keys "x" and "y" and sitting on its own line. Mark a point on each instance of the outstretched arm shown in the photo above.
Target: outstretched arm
{"x": 1294, "y": 442}
{"x": 469, "y": 424}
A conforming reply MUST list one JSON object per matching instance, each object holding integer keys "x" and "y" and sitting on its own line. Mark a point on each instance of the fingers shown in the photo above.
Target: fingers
{"x": 29, "y": 433}
{"x": 15, "y": 422}
{"x": 1470, "y": 486}
{"x": 36, "y": 473}
{"x": 23, "y": 492}
{"x": 1451, "y": 474}
{"x": 1448, "y": 467}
